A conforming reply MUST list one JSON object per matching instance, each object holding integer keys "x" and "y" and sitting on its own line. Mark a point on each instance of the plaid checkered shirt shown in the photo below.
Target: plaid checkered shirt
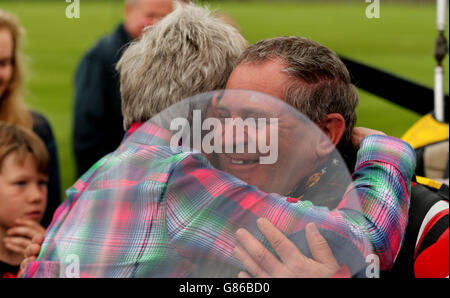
{"x": 146, "y": 210}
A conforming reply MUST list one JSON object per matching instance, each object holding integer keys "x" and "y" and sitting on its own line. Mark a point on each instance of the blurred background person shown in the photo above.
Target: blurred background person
{"x": 12, "y": 107}
{"x": 98, "y": 122}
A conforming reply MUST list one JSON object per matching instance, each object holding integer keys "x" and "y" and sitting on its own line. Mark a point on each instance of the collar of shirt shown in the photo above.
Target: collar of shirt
{"x": 147, "y": 133}
{"x": 134, "y": 126}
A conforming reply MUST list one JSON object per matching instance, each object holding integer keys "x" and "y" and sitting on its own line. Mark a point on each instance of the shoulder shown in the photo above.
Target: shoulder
{"x": 109, "y": 47}
{"x": 41, "y": 127}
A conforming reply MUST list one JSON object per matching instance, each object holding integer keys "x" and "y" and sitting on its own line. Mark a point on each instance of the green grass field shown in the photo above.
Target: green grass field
{"x": 400, "y": 41}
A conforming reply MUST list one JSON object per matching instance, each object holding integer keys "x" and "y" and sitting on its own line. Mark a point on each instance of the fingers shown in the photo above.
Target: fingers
{"x": 19, "y": 238}
{"x": 31, "y": 253}
{"x": 243, "y": 274}
{"x": 260, "y": 255}
{"x": 249, "y": 264}
{"x": 25, "y": 222}
{"x": 285, "y": 249}
{"x": 360, "y": 133}
{"x": 38, "y": 239}
{"x": 319, "y": 247}
{"x": 24, "y": 265}
{"x": 32, "y": 250}
{"x": 26, "y": 232}
{"x": 16, "y": 244}
{"x": 260, "y": 262}
{"x": 26, "y": 228}
{"x": 357, "y": 136}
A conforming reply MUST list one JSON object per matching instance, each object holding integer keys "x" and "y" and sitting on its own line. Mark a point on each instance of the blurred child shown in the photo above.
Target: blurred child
{"x": 24, "y": 167}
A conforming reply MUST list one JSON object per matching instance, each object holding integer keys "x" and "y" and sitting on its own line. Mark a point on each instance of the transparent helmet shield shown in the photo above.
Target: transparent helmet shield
{"x": 257, "y": 140}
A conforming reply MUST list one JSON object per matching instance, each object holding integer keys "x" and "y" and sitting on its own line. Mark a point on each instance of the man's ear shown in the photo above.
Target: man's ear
{"x": 333, "y": 126}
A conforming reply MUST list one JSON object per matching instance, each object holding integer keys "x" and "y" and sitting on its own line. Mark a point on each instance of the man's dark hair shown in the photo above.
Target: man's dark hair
{"x": 320, "y": 82}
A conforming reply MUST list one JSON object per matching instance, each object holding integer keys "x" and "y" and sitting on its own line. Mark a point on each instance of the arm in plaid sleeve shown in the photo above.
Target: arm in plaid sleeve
{"x": 218, "y": 204}
{"x": 382, "y": 180}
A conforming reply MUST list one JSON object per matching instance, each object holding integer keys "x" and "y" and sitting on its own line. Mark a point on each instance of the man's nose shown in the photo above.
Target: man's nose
{"x": 235, "y": 135}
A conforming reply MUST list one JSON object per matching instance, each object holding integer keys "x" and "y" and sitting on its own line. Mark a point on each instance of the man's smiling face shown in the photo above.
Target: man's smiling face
{"x": 296, "y": 156}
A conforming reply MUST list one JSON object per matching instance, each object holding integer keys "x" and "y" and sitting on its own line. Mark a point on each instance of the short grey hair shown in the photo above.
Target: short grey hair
{"x": 320, "y": 82}
{"x": 188, "y": 52}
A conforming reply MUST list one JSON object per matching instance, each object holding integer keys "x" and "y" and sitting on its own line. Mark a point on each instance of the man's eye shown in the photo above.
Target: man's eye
{"x": 20, "y": 183}
{"x": 223, "y": 114}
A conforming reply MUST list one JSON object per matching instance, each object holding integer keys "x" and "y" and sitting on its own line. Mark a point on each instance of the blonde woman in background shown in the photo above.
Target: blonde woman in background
{"x": 13, "y": 109}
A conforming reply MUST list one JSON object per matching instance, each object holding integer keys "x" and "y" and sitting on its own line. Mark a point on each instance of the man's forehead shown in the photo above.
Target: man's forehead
{"x": 267, "y": 77}
{"x": 253, "y": 105}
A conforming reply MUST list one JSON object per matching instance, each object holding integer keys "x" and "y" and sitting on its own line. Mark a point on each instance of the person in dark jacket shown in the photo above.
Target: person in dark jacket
{"x": 98, "y": 122}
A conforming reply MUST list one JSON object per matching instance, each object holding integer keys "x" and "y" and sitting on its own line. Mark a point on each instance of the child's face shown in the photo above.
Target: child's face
{"x": 23, "y": 190}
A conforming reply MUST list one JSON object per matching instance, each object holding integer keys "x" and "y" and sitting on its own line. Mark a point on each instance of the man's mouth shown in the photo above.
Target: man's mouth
{"x": 243, "y": 161}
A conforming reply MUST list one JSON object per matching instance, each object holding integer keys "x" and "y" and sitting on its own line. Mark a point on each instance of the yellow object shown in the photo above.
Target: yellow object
{"x": 428, "y": 182}
{"x": 426, "y": 131}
